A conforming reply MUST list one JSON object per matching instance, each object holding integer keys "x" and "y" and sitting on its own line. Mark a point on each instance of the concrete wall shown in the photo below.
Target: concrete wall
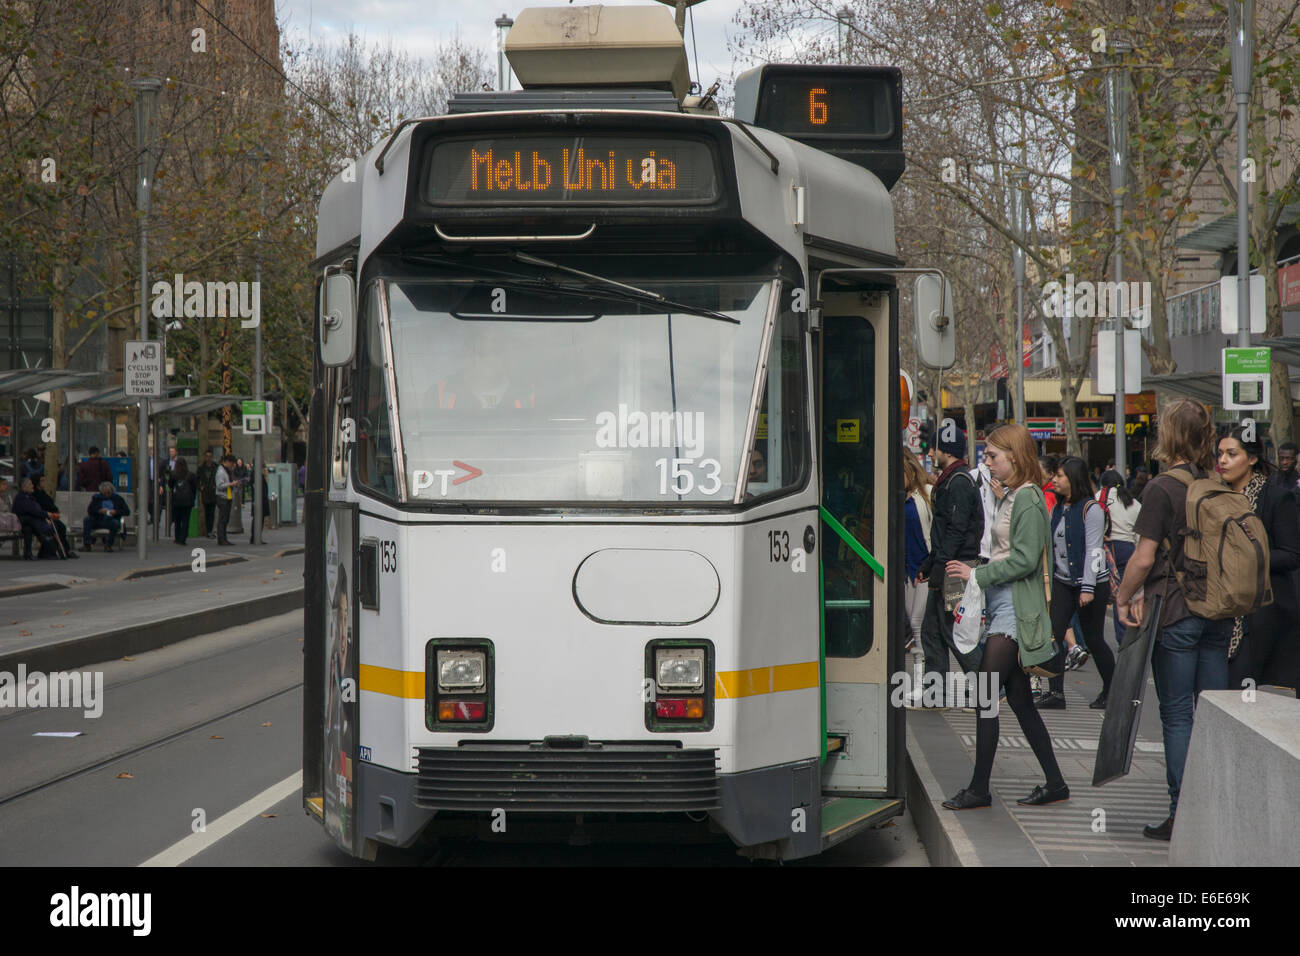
{"x": 1241, "y": 790}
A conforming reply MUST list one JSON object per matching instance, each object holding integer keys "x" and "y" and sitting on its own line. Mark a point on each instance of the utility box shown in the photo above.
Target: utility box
{"x": 282, "y": 486}
{"x": 598, "y": 46}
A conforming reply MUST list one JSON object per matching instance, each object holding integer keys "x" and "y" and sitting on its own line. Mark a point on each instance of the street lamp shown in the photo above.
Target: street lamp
{"x": 844, "y": 20}
{"x": 1241, "y": 22}
{"x": 146, "y": 102}
{"x": 503, "y": 24}
{"x": 1117, "y": 95}
{"x": 1019, "y": 211}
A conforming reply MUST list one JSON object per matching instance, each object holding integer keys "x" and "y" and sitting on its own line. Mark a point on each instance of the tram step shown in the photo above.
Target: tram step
{"x": 843, "y": 817}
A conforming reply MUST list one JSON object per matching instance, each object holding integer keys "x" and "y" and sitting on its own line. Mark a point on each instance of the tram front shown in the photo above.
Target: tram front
{"x": 569, "y": 514}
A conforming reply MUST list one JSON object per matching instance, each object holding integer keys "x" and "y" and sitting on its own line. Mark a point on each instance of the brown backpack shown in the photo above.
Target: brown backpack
{"x": 1225, "y": 551}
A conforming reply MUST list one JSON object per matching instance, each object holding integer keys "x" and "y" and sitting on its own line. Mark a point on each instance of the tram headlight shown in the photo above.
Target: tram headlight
{"x": 679, "y": 668}
{"x": 462, "y": 671}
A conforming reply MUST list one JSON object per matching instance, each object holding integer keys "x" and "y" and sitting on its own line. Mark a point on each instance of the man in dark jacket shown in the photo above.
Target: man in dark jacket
{"x": 35, "y": 520}
{"x": 955, "y": 533}
{"x": 106, "y": 510}
{"x": 93, "y": 472}
{"x": 52, "y": 511}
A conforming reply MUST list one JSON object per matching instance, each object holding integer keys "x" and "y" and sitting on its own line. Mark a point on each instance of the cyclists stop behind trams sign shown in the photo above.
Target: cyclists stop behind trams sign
{"x": 142, "y": 375}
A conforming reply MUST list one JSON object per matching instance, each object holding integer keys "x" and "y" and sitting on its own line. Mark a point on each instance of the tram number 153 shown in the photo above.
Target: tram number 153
{"x": 684, "y": 481}
{"x": 778, "y": 546}
{"x": 388, "y": 556}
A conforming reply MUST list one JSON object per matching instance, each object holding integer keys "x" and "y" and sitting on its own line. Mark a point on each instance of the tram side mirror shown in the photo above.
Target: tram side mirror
{"x": 936, "y": 338}
{"x": 338, "y": 320}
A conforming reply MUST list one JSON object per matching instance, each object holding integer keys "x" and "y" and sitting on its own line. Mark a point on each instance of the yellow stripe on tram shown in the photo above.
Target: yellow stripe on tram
{"x": 394, "y": 683}
{"x": 766, "y": 680}
{"x": 727, "y": 684}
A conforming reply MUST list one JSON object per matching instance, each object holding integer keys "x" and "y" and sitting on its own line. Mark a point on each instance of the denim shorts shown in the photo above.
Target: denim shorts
{"x": 999, "y": 611}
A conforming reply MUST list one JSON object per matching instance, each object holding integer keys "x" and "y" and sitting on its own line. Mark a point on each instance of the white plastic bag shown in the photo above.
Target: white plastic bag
{"x": 968, "y": 618}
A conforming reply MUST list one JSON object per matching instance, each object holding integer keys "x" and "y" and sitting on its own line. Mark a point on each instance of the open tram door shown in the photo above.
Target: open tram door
{"x": 860, "y": 461}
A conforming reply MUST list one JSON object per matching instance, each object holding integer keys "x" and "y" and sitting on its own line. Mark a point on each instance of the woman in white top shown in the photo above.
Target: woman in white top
{"x": 1122, "y": 510}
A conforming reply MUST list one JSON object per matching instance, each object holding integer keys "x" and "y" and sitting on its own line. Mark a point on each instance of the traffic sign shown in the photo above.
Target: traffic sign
{"x": 257, "y": 417}
{"x": 914, "y": 435}
{"x": 1228, "y": 305}
{"x": 1245, "y": 379}
{"x": 142, "y": 370}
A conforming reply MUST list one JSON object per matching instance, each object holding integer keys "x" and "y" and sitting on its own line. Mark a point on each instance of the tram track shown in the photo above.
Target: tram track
{"x": 151, "y": 744}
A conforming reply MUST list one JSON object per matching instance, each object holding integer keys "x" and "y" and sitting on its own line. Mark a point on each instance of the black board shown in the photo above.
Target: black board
{"x": 1124, "y": 704}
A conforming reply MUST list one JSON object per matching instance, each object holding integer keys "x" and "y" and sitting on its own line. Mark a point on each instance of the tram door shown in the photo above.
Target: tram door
{"x": 855, "y": 501}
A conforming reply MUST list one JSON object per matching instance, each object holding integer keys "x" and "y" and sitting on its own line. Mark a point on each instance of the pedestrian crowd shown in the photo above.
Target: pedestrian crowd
{"x": 1049, "y": 544}
{"x": 28, "y": 511}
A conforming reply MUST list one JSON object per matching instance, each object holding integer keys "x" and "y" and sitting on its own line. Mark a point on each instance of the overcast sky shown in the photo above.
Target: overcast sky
{"x": 419, "y": 26}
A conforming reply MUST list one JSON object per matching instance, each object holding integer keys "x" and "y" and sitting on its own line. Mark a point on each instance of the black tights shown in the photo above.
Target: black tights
{"x": 1092, "y": 618}
{"x": 1002, "y": 657}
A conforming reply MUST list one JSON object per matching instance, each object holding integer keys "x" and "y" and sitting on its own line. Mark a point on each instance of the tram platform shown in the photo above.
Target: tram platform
{"x": 61, "y": 615}
{"x": 1097, "y": 826}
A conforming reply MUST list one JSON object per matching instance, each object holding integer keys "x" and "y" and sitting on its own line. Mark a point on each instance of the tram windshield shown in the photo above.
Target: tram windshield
{"x": 517, "y": 388}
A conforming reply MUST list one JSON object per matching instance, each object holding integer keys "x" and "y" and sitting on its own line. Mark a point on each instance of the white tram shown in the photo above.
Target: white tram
{"x": 604, "y": 467}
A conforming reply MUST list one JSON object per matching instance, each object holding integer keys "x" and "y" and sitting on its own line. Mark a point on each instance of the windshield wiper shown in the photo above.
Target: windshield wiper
{"x": 623, "y": 290}
{"x": 593, "y": 285}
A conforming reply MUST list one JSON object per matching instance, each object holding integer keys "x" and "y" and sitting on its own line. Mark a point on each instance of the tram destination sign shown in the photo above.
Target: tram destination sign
{"x": 557, "y": 170}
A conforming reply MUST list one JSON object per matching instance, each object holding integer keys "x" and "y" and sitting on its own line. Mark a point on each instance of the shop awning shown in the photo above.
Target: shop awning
{"x": 1220, "y": 235}
{"x": 29, "y": 382}
{"x": 1202, "y": 386}
{"x": 114, "y": 397}
{"x": 1285, "y": 348}
{"x": 195, "y": 404}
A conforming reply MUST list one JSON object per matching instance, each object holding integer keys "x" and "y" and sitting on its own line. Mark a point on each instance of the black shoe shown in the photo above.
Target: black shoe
{"x": 1042, "y": 795}
{"x": 968, "y": 800}
{"x": 1099, "y": 703}
{"x": 1050, "y": 701}
{"x": 1161, "y": 832}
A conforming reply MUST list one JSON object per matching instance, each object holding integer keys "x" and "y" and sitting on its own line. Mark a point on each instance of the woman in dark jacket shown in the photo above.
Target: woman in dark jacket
{"x": 1267, "y": 645}
{"x": 182, "y": 488}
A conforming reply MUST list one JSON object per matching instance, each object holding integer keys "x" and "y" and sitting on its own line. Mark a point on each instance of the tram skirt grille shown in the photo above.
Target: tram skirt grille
{"x": 609, "y": 778}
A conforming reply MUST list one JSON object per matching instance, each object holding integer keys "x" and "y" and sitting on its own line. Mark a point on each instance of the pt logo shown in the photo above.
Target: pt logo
{"x": 422, "y": 479}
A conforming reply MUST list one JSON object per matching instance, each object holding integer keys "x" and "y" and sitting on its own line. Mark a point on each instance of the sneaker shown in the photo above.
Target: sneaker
{"x": 1076, "y": 658}
{"x": 1050, "y": 701}
{"x": 1100, "y": 702}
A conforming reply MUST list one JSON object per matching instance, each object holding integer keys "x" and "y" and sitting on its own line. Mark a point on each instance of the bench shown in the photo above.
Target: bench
{"x": 77, "y": 503}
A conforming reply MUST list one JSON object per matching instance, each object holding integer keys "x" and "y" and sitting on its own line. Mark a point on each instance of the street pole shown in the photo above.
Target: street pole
{"x": 1018, "y": 204}
{"x": 1117, "y": 127}
{"x": 1241, "y": 20}
{"x": 503, "y": 25}
{"x": 146, "y": 99}
{"x": 257, "y": 368}
{"x": 844, "y": 19}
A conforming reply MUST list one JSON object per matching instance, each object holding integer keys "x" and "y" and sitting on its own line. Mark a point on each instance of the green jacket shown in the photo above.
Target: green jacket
{"x": 1023, "y": 570}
